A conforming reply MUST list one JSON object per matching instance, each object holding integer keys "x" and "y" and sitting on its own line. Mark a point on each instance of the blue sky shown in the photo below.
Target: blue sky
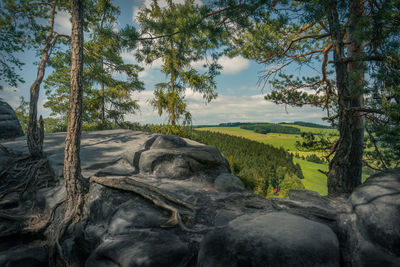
{"x": 240, "y": 99}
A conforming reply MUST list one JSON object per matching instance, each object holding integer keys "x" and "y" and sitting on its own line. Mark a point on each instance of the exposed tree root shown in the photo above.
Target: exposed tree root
{"x": 153, "y": 194}
{"x": 25, "y": 175}
{"x": 73, "y": 213}
{"x": 19, "y": 183}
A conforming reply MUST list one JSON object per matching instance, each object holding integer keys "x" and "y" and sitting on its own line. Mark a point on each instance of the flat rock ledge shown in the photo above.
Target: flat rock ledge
{"x": 222, "y": 223}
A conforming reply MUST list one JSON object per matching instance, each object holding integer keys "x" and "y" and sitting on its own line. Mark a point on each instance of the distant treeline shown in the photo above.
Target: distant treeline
{"x": 236, "y": 124}
{"x": 309, "y": 124}
{"x": 271, "y": 128}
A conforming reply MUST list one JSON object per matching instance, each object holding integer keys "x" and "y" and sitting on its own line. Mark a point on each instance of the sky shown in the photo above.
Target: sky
{"x": 240, "y": 98}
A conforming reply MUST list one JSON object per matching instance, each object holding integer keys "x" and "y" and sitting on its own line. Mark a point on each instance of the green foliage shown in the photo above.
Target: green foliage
{"x": 383, "y": 127}
{"x": 54, "y": 125}
{"x": 289, "y": 182}
{"x": 20, "y": 27}
{"x": 270, "y": 128}
{"x": 106, "y": 99}
{"x": 22, "y": 113}
{"x": 312, "y": 142}
{"x": 257, "y": 165}
{"x": 181, "y": 44}
{"x": 314, "y": 158}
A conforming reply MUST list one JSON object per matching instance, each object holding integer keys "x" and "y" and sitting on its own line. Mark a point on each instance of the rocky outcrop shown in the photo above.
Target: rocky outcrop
{"x": 9, "y": 124}
{"x": 272, "y": 239}
{"x": 139, "y": 181}
{"x": 168, "y": 156}
{"x": 366, "y": 223}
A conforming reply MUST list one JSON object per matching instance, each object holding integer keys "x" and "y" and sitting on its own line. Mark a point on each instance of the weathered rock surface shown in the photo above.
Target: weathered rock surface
{"x": 273, "y": 239}
{"x": 229, "y": 227}
{"x": 377, "y": 206}
{"x": 168, "y": 156}
{"x": 9, "y": 124}
{"x": 372, "y": 229}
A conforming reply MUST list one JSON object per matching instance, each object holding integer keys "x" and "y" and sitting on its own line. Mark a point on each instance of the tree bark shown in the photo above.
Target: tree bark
{"x": 102, "y": 105}
{"x": 75, "y": 184}
{"x": 35, "y": 144}
{"x": 102, "y": 100}
{"x": 345, "y": 169}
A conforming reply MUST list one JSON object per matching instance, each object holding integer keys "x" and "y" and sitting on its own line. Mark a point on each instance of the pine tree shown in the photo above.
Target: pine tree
{"x": 179, "y": 44}
{"x": 106, "y": 98}
{"x": 76, "y": 185}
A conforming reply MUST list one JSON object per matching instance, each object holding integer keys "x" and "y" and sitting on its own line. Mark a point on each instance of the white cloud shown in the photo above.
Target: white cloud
{"x": 229, "y": 65}
{"x": 62, "y": 23}
{"x": 228, "y": 108}
{"x": 45, "y": 112}
{"x": 11, "y": 96}
{"x": 251, "y": 108}
{"x": 161, "y": 3}
{"x": 128, "y": 57}
{"x": 11, "y": 89}
{"x": 233, "y": 65}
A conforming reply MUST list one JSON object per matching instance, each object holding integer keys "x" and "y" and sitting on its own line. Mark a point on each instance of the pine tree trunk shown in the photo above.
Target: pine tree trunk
{"x": 102, "y": 103}
{"x": 35, "y": 143}
{"x": 74, "y": 183}
{"x": 346, "y": 166}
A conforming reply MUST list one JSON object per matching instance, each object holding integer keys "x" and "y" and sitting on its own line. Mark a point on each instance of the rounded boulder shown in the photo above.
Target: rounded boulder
{"x": 274, "y": 239}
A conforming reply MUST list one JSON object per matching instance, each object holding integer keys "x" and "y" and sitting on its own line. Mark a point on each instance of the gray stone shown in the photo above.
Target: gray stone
{"x": 140, "y": 248}
{"x": 32, "y": 255}
{"x": 9, "y": 124}
{"x": 227, "y": 182}
{"x": 306, "y": 209}
{"x": 168, "y": 141}
{"x": 171, "y": 157}
{"x": 377, "y": 206}
{"x": 308, "y": 196}
{"x": 275, "y": 239}
{"x": 4, "y": 157}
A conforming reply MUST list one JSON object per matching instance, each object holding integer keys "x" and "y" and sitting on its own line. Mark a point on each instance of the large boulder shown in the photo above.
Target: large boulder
{"x": 169, "y": 156}
{"x": 9, "y": 124}
{"x": 371, "y": 231}
{"x": 274, "y": 239}
{"x": 377, "y": 206}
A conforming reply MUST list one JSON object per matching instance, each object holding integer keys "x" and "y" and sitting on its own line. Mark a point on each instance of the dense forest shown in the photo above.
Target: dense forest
{"x": 271, "y": 128}
{"x": 261, "y": 167}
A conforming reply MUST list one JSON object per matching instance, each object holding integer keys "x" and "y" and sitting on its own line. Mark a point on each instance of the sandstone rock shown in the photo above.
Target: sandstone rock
{"x": 272, "y": 239}
{"x": 227, "y": 182}
{"x": 305, "y": 208}
{"x": 140, "y": 248}
{"x": 32, "y": 255}
{"x": 376, "y": 204}
{"x": 9, "y": 124}
{"x": 171, "y": 157}
{"x": 308, "y": 196}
